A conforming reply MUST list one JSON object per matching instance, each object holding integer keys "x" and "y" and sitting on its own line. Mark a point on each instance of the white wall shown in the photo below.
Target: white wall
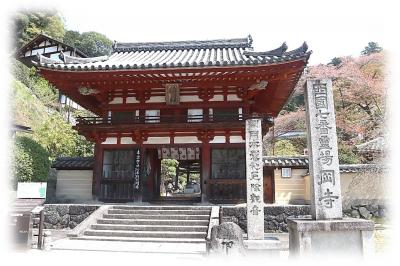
{"x": 74, "y": 184}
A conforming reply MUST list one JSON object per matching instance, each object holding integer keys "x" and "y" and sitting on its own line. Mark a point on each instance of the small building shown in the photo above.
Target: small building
{"x": 360, "y": 183}
{"x": 48, "y": 49}
{"x": 183, "y": 100}
{"x": 46, "y": 46}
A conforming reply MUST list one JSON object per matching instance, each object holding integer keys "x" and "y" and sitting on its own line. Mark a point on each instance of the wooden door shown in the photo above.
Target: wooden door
{"x": 269, "y": 186}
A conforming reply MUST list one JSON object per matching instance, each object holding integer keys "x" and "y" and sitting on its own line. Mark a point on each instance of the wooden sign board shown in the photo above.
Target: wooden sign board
{"x": 172, "y": 94}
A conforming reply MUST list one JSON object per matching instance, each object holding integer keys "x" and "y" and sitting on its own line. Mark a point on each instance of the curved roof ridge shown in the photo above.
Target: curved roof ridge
{"x": 179, "y": 45}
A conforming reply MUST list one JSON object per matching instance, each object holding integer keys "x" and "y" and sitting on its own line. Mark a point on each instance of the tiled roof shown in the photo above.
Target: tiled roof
{"x": 355, "y": 168}
{"x": 285, "y": 161}
{"x": 223, "y": 52}
{"x": 375, "y": 145}
{"x": 73, "y": 163}
{"x": 301, "y": 161}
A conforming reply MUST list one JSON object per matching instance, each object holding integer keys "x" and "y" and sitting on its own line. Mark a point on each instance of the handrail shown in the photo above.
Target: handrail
{"x": 146, "y": 119}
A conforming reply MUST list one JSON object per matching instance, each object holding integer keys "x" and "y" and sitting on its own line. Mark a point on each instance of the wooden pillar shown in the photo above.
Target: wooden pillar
{"x": 205, "y": 169}
{"x": 97, "y": 170}
{"x": 138, "y": 196}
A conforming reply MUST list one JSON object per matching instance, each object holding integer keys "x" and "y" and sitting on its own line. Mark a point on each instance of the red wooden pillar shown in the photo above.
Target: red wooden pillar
{"x": 205, "y": 169}
{"x": 97, "y": 169}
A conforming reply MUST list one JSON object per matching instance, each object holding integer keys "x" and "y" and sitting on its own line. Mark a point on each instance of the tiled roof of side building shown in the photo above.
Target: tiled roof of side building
{"x": 221, "y": 52}
{"x": 283, "y": 161}
{"x": 73, "y": 163}
{"x": 302, "y": 161}
{"x": 376, "y": 145}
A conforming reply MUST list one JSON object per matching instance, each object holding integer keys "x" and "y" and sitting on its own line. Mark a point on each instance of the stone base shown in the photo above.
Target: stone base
{"x": 348, "y": 236}
{"x": 266, "y": 246}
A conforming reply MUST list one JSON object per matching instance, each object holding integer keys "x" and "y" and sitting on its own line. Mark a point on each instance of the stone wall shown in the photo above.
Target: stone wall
{"x": 366, "y": 211}
{"x": 274, "y": 216}
{"x": 66, "y": 216}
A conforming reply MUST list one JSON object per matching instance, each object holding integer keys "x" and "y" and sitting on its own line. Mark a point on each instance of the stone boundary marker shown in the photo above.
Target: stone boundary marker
{"x": 254, "y": 180}
{"x": 326, "y": 200}
{"x": 327, "y": 233}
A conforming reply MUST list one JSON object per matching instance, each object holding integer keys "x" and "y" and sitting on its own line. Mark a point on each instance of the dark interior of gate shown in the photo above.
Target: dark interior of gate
{"x": 169, "y": 119}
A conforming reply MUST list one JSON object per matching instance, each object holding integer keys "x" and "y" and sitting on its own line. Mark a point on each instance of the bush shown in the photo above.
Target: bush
{"x": 284, "y": 148}
{"x": 31, "y": 161}
{"x": 347, "y": 155}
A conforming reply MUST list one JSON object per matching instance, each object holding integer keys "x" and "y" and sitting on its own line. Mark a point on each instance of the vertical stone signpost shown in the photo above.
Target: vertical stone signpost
{"x": 326, "y": 201}
{"x": 327, "y": 232}
{"x": 254, "y": 180}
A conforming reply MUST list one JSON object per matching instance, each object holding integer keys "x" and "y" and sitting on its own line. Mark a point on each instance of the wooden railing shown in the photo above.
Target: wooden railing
{"x": 166, "y": 119}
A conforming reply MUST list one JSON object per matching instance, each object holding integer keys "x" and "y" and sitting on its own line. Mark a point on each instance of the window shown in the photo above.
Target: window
{"x": 152, "y": 116}
{"x": 228, "y": 163}
{"x": 226, "y": 114}
{"x": 120, "y": 117}
{"x": 195, "y": 115}
{"x": 286, "y": 172}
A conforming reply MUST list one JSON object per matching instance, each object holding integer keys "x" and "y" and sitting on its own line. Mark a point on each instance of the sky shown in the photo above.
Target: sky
{"x": 329, "y": 28}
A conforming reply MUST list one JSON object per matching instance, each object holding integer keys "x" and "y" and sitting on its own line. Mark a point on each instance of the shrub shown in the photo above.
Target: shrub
{"x": 31, "y": 161}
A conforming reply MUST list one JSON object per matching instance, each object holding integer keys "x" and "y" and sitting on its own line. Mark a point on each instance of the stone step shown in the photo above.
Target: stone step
{"x": 143, "y": 247}
{"x": 160, "y": 212}
{"x": 141, "y": 239}
{"x": 186, "y": 228}
{"x": 155, "y": 217}
{"x": 141, "y": 234}
{"x": 153, "y": 222}
{"x": 161, "y": 208}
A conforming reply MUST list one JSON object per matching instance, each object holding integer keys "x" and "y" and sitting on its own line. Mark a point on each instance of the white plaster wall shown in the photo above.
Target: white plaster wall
{"x": 127, "y": 140}
{"x": 74, "y": 184}
{"x": 131, "y": 100}
{"x": 182, "y": 140}
{"x": 157, "y": 140}
{"x": 236, "y": 139}
{"x": 191, "y": 98}
{"x": 110, "y": 140}
{"x": 116, "y": 100}
{"x": 156, "y": 99}
{"x": 217, "y": 98}
{"x": 233, "y": 97}
{"x": 367, "y": 188}
{"x": 218, "y": 139}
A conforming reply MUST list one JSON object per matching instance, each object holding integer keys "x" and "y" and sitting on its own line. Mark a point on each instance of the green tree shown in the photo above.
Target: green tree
{"x": 29, "y": 24}
{"x": 84, "y": 148}
{"x": 336, "y": 61}
{"x": 372, "y": 47}
{"x": 347, "y": 154}
{"x": 283, "y": 147}
{"x": 57, "y": 137}
{"x": 40, "y": 87}
{"x": 60, "y": 139}
{"x": 91, "y": 43}
{"x": 31, "y": 161}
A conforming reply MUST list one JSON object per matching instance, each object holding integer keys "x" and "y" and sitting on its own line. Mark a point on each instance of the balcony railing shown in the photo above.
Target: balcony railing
{"x": 166, "y": 119}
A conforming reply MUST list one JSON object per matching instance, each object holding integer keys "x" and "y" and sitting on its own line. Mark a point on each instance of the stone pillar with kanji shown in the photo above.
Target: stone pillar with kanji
{"x": 254, "y": 180}
{"x": 327, "y": 232}
{"x": 326, "y": 200}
